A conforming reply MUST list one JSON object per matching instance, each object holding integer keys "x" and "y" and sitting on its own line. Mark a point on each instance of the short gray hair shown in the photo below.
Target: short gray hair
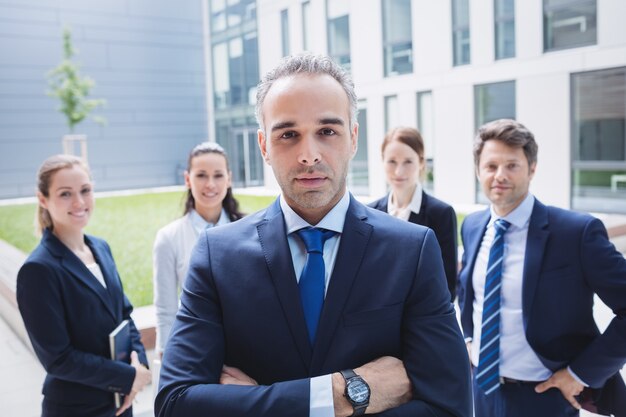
{"x": 306, "y": 64}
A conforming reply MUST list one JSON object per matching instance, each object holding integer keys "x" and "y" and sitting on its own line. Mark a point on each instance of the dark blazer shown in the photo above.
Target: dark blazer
{"x": 240, "y": 305}
{"x": 440, "y": 217}
{"x": 568, "y": 259}
{"x": 68, "y": 316}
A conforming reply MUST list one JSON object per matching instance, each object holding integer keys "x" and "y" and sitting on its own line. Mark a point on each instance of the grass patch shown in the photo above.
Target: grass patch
{"x": 128, "y": 223}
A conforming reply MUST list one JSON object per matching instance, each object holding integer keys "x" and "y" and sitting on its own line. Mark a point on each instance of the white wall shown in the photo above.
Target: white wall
{"x": 542, "y": 83}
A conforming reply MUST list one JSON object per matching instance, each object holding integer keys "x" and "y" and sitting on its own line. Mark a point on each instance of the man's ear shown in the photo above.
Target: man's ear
{"x": 263, "y": 146}
{"x": 354, "y": 138}
{"x": 532, "y": 169}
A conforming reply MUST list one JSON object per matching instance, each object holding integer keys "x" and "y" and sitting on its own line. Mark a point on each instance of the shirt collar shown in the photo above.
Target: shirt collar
{"x": 415, "y": 204}
{"x": 334, "y": 220}
{"x": 199, "y": 224}
{"x": 520, "y": 216}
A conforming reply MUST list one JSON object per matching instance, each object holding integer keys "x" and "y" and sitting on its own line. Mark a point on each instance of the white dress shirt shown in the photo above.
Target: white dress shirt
{"x": 321, "y": 388}
{"x": 517, "y": 359}
{"x": 94, "y": 268}
{"x": 170, "y": 263}
{"x": 413, "y": 207}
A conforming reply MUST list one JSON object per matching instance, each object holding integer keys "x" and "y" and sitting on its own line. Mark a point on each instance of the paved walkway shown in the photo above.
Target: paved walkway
{"x": 22, "y": 378}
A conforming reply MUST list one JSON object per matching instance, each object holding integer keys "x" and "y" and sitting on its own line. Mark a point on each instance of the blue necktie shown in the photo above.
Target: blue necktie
{"x": 488, "y": 372}
{"x": 313, "y": 279}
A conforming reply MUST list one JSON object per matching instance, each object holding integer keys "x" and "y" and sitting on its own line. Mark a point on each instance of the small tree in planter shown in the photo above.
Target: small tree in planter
{"x": 71, "y": 88}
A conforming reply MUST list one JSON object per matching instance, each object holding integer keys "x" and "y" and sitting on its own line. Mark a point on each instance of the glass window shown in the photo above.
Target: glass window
{"x": 391, "y": 112}
{"x": 339, "y": 31}
{"x": 397, "y": 37}
{"x": 229, "y": 14}
{"x": 235, "y": 71}
{"x": 504, "y": 21}
{"x": 306, "y": 26}
{"x": 494, "y": 101}
{"x": 460, "y": 32}
{"x": 426, "y": 126}
{"x": 358, "y": 176}
{"x": 491, "y": 102}
{"x": 284, "y": 31}
{"x": 569, "y": 24}
{"x": 599, "y": 140}
{"x": 221, "y": 82}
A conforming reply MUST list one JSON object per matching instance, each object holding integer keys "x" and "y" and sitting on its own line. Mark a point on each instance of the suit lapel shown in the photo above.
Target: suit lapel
{"x": 420, "y": 218}
{"x": 473, "y": 237}
{"x": 273, "y": 237}
{"x": 535, "y": 244}
{"x": 354, "y": 238}
{"x": 473, "y": 233}
{"x": 76, "y": 268}
{"x": 110, "y": 277}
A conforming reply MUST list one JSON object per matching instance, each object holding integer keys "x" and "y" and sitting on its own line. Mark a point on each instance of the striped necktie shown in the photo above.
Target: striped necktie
{"x": 313, "y": 278}
{"x": 488, "y": 372}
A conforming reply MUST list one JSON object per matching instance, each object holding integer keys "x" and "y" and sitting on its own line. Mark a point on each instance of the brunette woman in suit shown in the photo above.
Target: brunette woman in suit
{"x": 405, "y": 167}
{"x": 70, "y": 297}
{"x": 209, "y": 202}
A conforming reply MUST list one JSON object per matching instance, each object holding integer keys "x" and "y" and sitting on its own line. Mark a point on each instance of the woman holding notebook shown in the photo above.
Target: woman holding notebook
{"x": 70, "y": 297}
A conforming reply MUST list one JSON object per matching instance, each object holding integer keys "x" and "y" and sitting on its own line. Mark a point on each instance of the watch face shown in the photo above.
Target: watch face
{"x": 358, "y": 391}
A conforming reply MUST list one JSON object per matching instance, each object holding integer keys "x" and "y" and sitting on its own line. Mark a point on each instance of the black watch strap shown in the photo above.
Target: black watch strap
{"x": 348, "y": 373}
{"x": 357, "y": 410}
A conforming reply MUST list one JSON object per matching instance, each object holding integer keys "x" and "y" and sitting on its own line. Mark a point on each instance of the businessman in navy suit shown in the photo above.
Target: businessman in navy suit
{"x": 387, "y": 341}
{"x": 552, "y": 358}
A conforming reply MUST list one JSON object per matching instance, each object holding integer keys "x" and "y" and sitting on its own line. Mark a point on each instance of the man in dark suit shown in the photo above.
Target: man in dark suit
{"x": 527, "y": 285}
{"x": 384, "y": 338}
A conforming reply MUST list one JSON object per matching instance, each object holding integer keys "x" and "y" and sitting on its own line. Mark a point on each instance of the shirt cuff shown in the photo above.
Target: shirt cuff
{"x": 576, "y": 377}
{"x": 321, "y": 395}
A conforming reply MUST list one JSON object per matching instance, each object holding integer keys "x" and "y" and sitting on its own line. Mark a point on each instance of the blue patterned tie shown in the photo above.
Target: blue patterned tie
{"x": 488, "y": 372}
{"x": 313, "y": 279}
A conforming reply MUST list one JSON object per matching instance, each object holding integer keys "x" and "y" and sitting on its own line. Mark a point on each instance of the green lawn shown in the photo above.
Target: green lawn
{"x": 128, "y": 223}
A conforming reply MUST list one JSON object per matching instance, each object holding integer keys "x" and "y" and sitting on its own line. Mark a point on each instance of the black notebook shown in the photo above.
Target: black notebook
{"x": 120, "y": 346}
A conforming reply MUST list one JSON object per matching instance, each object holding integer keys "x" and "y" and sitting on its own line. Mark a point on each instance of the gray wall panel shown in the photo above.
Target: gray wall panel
{"x": 146, "y": 57}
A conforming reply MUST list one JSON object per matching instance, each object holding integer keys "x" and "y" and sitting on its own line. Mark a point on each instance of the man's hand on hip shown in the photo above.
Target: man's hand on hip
{"x": 566, "y": 383}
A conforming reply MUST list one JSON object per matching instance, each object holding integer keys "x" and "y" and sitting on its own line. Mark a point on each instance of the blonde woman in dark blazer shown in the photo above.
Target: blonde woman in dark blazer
{"x": 70, "y": 296}
{"x": 405, "y": 166}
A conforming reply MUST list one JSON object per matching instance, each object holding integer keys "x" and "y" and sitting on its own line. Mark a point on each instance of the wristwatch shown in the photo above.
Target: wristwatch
{"x": 357, "y": 392}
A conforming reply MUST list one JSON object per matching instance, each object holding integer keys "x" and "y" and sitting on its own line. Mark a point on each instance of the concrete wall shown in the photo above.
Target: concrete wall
{"x": 146, "y": 57}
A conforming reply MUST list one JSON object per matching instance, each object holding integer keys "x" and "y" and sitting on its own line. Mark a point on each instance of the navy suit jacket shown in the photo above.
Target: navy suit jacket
{"x": 240, "y": 306}
{"x": 568, "y": 259}
{"x": 68, "y": 316}
{"x": 440, "y": 217}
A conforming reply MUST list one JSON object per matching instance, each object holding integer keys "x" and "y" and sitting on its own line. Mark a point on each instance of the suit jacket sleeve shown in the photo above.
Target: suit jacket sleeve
{"x": 605, "y": 272}
{"x": 42, "y": 307}
{"x": 446, "y": 231}
{"x": 434, "y": 353}
{"x": 192, "y": 363}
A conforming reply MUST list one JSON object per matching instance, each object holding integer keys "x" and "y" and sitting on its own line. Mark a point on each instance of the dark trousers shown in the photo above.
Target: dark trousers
{"x": 521, "y": 400}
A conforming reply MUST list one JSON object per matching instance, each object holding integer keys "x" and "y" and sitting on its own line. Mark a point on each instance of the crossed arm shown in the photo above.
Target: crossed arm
{"x": 386, "y": 376}
{"x": 433, "y": 362}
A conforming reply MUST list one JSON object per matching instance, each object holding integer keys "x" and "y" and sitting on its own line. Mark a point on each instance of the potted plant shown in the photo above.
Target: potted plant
{"x": 72, "y": 89}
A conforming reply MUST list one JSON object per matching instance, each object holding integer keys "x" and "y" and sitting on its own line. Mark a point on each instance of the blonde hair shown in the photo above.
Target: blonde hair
{"x": 47, "y": 170}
